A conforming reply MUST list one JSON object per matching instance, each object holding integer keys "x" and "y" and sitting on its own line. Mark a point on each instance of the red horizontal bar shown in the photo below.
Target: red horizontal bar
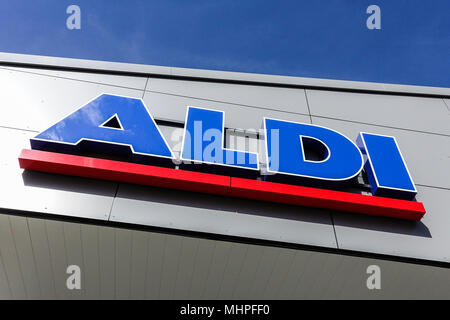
{"x": 326, "y": 199}
{"x": 123, "y": 172}
{"x": 217, "y": 184}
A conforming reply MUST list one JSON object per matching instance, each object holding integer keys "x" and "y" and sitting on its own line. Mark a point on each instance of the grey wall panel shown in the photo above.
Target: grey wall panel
{"x": 155, "y": 260}
{"x": 295, "y": 272}
{"x": 10, "y": 258}
{"x": 107, "y": 262}
{"x": 185, "y": 270}
{"x": 35, "y": 102}
{"x": 427, "y": 155}
{"x": 100, "y": 78}
{"x": 187, "y": 267}
{"x": 74, "y": 253}
{"x": 170, "y": 266}
{"x": 355, "y": 277}
{"x": 91, "y": 264}
{"x": 26, "y": 257}
{"x": 278, "y": 273}
{"x": 415, "y": 113}
{"x": 139, "y": 258}
{"x": 171, "y": 107}
{"x": 258, "y": 283}
{"x": 42, "y": 255}
{"x": 347, "y": 270}
{"x": 48, "y": 193}
{"x": 216, "y": 269}
{"x": 5, "y": 291}
{"x": 282, "y": 99}
{"x": 58, "y": 256}
{"x": 233, "y": 267}
{"x": 428, "y": 239}
{"x": 203, "y": 258}
{"x": 41, "y": 251}
{"x": 170, "y": 209}
{"x": 306, "y": 281}
{"x": 246, "y": 277}
{"x": 294, "y": 224}
{"x": 123, "y": 239}
{"x": 214, "y": 214}
{"x": 320, "y": 286}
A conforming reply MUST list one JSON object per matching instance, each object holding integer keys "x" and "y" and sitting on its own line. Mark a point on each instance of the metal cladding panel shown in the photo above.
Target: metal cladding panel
{"x": 427, "y": 239}
{"x": 119, "y": 263}
{"x": 271, "y": 98}
{"x": 172, "y": 107}
{"x": 35, "y": 102}
{"x": 414, "y": 113}
{"x": 91, "y": 77}
{"x": 215, "y": 214}
{"x": 286, "y": 80}
{"x": 447, "y": 103}
{"x": 48, "y": 193}
{"x": 426, "y": 155}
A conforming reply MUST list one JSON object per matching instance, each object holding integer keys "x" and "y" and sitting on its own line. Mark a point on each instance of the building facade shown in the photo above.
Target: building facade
{"x": 141, "y": 242}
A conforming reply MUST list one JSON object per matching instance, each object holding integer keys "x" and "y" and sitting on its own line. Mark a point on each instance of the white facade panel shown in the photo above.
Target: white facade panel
{"x": 427, "y": 239}
{"x": 131, "y": 82}
{"x": 47, "y": 193}
{"x": 36, "y": 102}
{"x": 173, "y": 108}
{"x": 264, "y": 97}
{"x": 405, "y": 112}
{"x": 221, "y": 215}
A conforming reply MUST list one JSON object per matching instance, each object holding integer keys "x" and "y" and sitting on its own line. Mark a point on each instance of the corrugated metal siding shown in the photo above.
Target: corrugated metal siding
{"x": 119, "y": 263}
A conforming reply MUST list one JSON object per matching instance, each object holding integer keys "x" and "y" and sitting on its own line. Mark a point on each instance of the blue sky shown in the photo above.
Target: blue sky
{"x": 314, "y": 38}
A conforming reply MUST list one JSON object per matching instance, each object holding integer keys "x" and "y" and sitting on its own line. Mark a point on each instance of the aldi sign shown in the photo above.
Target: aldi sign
{"x": 298, "y": 163}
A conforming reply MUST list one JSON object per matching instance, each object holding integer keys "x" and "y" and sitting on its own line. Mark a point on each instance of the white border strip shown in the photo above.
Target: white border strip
{"x": 147, "y": 70}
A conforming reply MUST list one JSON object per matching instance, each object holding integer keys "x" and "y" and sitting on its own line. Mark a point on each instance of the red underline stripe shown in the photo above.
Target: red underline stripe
{"x": 218, "y": 184}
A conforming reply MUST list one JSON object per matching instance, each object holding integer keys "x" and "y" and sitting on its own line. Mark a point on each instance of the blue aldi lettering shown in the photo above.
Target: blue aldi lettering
{"x": 203, "y": 141}
{"x": 285, "y": 151}
{"x": 385, "y": 166}
{"x": 117, "y": 124}
{"x": 108, "y": 123}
